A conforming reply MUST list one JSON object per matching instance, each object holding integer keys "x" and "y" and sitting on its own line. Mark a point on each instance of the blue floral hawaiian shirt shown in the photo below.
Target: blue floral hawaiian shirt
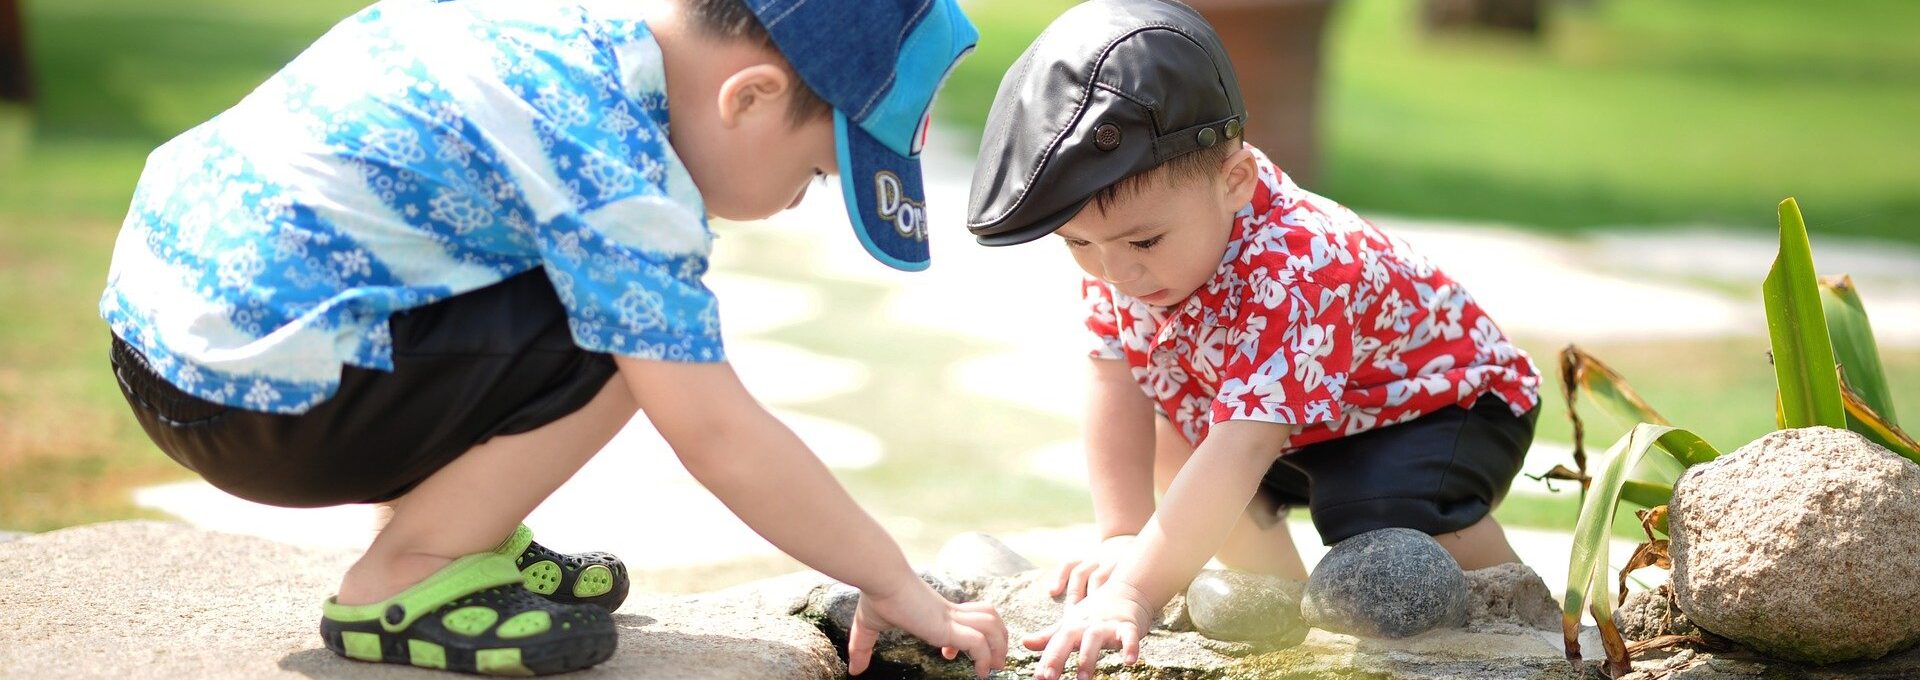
{"x": 418, "y": 151}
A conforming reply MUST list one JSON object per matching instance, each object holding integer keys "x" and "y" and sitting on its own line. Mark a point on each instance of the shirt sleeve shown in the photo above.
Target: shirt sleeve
{"x": 1290, "y": 348}
{"x": 1102, "y": 319}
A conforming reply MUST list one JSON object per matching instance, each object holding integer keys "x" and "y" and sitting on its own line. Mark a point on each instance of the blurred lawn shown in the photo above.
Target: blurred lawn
{"x": 1638, "y": 113}
{"x": 1662, "y": 131}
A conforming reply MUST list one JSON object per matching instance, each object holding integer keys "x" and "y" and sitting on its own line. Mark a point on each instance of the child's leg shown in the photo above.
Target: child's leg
{"x": 1441, "y": 474}
{"x": 1249, "y": 547}
{"x": 472, "y": 503}
{"x": 1479, "y": 546}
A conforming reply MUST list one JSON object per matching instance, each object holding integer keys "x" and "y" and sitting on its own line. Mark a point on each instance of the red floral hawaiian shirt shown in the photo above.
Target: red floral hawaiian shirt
{"x": 1315, "y": 318}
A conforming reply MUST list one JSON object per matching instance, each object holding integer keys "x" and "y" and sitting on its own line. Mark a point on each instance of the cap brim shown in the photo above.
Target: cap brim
{"x": 886, "y": 200}
{"x": 1031, "y": 231}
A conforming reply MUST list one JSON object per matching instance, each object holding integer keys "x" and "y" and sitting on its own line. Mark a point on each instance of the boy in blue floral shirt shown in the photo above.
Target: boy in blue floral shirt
{"x": 443, "y": 256}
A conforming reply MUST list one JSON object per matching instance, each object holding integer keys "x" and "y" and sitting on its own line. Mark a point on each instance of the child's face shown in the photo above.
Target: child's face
{"x": 1163, "y": 242}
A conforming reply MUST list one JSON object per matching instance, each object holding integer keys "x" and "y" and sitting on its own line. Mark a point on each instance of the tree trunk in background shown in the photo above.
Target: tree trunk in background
{"x": 1519, "y": 17}
{"x": 1275, "y": 46}
{"x": 16, "y": 83}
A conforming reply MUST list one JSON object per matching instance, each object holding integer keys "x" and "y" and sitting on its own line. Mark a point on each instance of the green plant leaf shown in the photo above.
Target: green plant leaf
{"x": 1647, "y": 494}
{"x": 1863, "y": 419}
{"x": 1588, "y": 583}
{"x": 1796, "y": 324}
{"x": 1854, "y": 346}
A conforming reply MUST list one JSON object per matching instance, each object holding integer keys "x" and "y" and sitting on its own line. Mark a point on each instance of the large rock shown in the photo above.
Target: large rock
{"x": 1241, "y": 607}
{"x": 1802, "y": 545}
{"x": 161, "y": 600}
{"x": 1386, "y": 583}
{"x": 1510, "y": 594}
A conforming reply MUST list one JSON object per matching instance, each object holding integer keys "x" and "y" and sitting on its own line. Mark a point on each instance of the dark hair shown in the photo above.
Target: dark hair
{"x": 1202, "y": 164}
{"x": 730, "y": 19}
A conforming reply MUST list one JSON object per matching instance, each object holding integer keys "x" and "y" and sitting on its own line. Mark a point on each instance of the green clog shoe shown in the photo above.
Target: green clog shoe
{"x": 594, "y": 578}
{"x": 473, "y": 616}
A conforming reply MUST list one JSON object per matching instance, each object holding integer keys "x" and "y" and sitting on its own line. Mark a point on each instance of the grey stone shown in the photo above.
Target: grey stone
{"x": 977, "y": 555}
{"x": 1801, "y": 545}
{"x": 1387, "y": 583}
{"x": 1242, "y": 607}
{"x": 161, "y": 600}
{"x": 831, "y": 605}
{"x": 1510, "y": 594}
{"x": 1648, "y": 614}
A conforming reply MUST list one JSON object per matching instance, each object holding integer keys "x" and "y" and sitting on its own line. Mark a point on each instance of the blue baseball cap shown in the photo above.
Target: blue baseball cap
{"x": 878, "y": 63}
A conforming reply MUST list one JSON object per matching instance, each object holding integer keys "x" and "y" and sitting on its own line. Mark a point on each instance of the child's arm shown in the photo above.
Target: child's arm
{"x": 1120, "y": 443}
{"x": 1119, "y": 450}
{"x": 1206, "y": 498}
{"x": 761, "y": 471}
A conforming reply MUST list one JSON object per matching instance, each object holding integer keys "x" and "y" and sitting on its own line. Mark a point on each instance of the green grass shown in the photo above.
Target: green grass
{"x": 1636, "y": 113}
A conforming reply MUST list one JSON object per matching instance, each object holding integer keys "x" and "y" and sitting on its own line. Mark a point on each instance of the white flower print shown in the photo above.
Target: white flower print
{"x": 641, "y": 309}
{"x": 460, "y": 211}
{"x": 239, "y": 267}
{"x": 564, "y": 108}
{"x": 1211, "y": 352}
{"x": 1164, "y": 376}
{"x": 1489, "y": 342}
{"x": 351, "y": 263}
{"x": 261, "y": 395}
{"x": 619, "y": 121}
{"x": 395, "y": 145}
{"x": 611, "y": 178}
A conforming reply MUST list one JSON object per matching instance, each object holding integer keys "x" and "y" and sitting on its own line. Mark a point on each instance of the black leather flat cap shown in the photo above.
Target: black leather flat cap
{"x": 1111, "y": 89}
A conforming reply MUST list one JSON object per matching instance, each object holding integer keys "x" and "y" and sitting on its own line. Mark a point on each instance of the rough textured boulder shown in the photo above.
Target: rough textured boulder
{"x": 1649, "y": 614}
{"x": 1510, "y": 595}
{"x": 1802, "y": 546}
{"x": 161, "y": 600}
{"x": 1387, "y": 583}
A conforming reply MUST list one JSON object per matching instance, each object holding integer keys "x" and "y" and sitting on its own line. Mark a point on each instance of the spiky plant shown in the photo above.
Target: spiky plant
{"x": 1827, "y": 370}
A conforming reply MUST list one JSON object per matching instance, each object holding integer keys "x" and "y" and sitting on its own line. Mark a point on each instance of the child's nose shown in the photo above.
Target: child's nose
{"x": 1121, "y": 267}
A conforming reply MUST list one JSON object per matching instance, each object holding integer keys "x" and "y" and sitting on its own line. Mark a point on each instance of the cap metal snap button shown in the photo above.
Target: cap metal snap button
{"x": 1106, "y": 137}
{"x": 1208, "y": 137}
{"x": 1233, "y": 128}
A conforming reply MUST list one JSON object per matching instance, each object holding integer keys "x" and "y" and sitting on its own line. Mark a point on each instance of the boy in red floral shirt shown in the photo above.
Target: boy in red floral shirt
{"x": 1260, "y": 346}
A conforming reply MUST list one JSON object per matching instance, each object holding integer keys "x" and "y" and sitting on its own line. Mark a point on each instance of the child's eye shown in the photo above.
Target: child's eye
{"x": 1076, "y": 243}
{"x": 1149, "y": 243}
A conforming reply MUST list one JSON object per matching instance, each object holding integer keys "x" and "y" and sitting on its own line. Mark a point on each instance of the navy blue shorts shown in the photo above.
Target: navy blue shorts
{"x": 495, "y": 361}
{"x": 1439, "y": 473}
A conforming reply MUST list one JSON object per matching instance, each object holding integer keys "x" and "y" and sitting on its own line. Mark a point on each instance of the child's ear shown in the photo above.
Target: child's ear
{"x": 753, "y": 91}
{"x": 1241, "y": 173}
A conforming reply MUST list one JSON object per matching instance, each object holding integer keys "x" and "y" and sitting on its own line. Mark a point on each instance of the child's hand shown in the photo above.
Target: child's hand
{"x": 1078, "y": 577}
{"x": 973, "y": 627}
{"x": 1110, "y": 617}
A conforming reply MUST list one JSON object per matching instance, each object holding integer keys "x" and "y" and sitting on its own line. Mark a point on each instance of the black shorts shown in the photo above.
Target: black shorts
{"x": 1439, "y": 473}
{"x": 494, "y": 361}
